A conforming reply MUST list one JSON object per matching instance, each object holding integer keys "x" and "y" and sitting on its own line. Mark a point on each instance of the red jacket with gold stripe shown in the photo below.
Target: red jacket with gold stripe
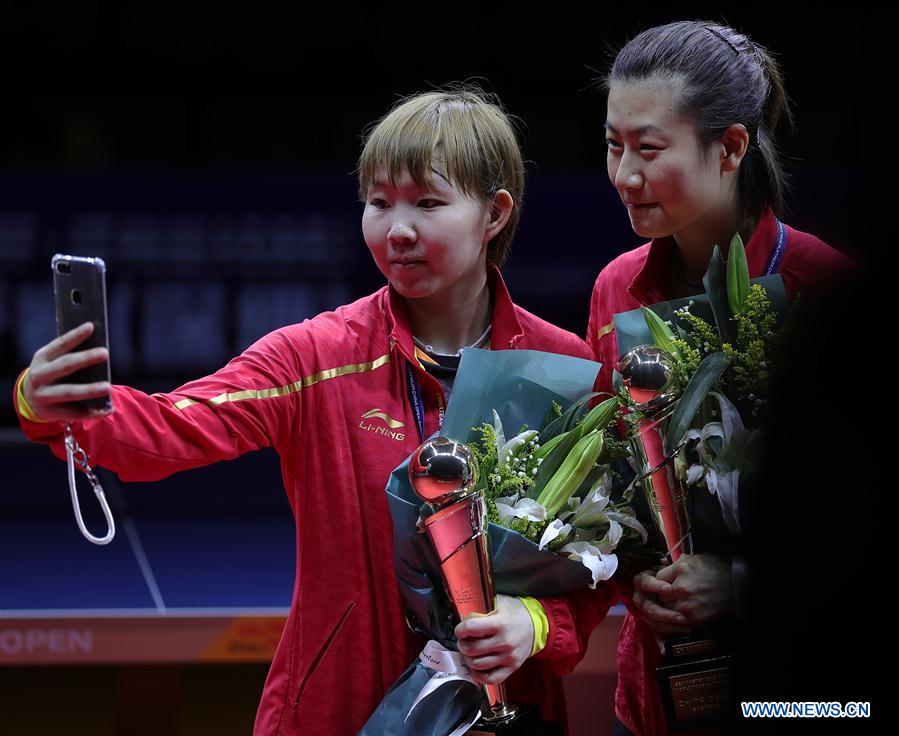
{"x": 304, "y": 390}
{"x": 641, "y": 277}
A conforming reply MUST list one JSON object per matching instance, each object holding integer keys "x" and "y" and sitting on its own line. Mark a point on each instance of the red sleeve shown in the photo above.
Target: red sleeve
{"x": 246, "y": 405}
{"x": 572, "y": 618}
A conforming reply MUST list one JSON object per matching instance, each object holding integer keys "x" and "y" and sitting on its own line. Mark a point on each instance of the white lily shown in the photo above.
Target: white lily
{"x": 695, "y": 473}
{"x": 706, "y": 453}
{"x": 726, "y": 485}
{"x": 505, "y": 452}
{"x": 522, "y": 508}
{"x": 601, "y": 566}
{"x": 589, "y": 512}
{"x": 565, "y": 515}
{"x": 721, "y": 468}
{"x": 608, "y": 543}
{"x": 553, "y": 530}
{"x": 603, "y": 485}
{"x": 498, "y": 431}
{"x": 711, "y": 480}
{"x": 505, "y": 505}
{"x": 739, "y": 447}
{"x": 630, "y": 522}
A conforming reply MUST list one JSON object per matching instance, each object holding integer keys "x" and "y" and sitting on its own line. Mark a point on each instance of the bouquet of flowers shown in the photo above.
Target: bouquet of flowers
{"x": 721, "y": 346}
{"x": 556, "y": 519}
{"x": 554, "y": 486}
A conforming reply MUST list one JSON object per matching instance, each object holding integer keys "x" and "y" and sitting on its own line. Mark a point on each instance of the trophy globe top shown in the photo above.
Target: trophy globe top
{"x": 649, "y": 377}
{"x": 443, "y": 471}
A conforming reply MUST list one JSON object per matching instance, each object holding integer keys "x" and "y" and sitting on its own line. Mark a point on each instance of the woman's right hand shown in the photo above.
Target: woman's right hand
{"x": 50, "y": 400}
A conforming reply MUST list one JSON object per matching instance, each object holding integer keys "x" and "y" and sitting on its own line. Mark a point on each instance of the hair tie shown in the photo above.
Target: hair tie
{"x": 723, "y": 38}
{"x": 759, "y": 57}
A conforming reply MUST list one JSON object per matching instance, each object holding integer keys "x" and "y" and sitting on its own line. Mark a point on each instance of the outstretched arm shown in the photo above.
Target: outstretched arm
{"x": 239, "y": 408}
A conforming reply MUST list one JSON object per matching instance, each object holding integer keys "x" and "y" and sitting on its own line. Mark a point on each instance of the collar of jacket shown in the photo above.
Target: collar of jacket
{"x": 505, "y": 329}
{"x": 651, "y": 282}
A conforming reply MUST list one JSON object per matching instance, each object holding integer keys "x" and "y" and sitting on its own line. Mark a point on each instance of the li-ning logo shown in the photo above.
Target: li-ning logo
{"x": 388, "y": 431}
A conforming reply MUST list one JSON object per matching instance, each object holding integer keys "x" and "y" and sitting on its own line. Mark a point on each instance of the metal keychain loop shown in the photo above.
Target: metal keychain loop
{"x": 75, "y": 454}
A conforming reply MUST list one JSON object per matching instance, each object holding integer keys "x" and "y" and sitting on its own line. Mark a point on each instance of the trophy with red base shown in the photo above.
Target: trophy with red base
{"x": 444, "y": 475}
{"x": 695, "y": 674}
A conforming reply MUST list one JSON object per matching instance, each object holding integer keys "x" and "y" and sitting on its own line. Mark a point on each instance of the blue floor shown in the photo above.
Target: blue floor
{"x": 229, "y": 544}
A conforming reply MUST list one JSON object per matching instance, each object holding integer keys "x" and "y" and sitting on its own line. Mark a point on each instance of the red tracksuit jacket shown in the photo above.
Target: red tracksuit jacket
{"x": 640, "y": 277}
{"x": 304, "y": 390}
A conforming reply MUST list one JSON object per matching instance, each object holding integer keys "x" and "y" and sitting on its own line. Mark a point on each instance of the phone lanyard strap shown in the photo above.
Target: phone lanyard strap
{"x": 74, "y": 454}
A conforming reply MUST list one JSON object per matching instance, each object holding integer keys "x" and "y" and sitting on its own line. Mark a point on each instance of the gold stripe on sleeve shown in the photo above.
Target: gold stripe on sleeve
{"x": 603, "y": 331}
{"x": 291, "y": 388}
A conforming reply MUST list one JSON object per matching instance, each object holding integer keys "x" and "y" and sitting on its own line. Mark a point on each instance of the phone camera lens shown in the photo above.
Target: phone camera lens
{"x": 64, "y": 267}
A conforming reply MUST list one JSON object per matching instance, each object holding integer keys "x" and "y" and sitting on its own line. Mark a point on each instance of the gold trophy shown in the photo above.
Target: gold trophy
{"x": 695, "y": 674}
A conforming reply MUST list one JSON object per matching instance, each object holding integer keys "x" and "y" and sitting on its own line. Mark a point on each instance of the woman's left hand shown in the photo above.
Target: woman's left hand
{"x": 700, "y": 587}
{"x": 496, "y": 645}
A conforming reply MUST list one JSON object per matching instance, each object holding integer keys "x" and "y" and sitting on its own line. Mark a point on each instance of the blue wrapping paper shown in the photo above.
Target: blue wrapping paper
{"x": 520, "y": 385}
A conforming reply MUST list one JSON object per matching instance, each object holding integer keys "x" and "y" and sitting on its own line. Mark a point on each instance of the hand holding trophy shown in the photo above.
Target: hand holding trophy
{"x": 695, "y": 675}
{"x": 443, "y": 474}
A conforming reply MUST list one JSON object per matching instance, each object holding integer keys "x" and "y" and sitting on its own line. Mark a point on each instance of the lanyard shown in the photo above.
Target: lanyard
{"x": 779, "y": 249}
{"x": 418, "y": 404}
{"x": 75, "y": 455}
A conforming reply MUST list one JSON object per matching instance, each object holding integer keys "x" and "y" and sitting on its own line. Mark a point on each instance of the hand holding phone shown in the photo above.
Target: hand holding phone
{"x": 63, "y": 383}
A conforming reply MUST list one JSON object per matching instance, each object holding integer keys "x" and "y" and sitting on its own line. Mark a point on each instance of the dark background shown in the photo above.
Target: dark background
{"x": 208, "y": 156}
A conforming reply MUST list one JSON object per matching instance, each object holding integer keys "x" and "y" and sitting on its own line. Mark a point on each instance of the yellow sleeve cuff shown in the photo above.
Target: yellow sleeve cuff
{"x": 24, "y": 409}
{"x": 540, "y": 621}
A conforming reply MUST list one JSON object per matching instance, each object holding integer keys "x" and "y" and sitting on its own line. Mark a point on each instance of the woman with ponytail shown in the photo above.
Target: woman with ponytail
{"x": 693, "y": 111}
